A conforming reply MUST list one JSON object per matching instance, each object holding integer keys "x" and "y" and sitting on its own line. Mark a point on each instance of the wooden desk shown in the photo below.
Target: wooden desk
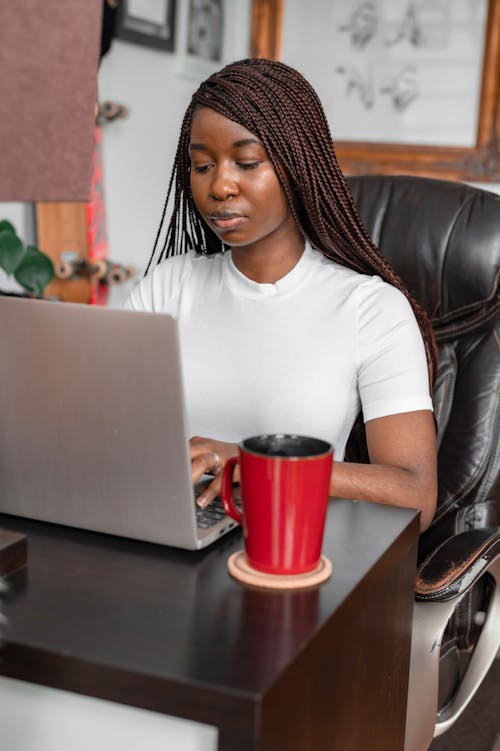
{"x": 170, "y": 631}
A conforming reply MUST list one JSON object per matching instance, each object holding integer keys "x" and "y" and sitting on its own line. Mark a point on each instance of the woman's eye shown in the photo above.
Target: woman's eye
{"x": 200, "y": 168}
{"x": 248, "y": 165}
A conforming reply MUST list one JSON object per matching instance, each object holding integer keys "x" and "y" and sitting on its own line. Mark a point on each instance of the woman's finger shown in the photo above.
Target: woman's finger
{"x": 203, "y": 464}
{"x": 198, "y": 446}
{"x": 211, "y": 492}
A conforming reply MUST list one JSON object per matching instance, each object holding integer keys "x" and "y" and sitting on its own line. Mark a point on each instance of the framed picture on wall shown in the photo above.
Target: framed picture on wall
{"x": 410, "y": 87}
{"x": 148, "y": 22}
{"x": 212, "y": 32}
{"x": 205, "y": 29}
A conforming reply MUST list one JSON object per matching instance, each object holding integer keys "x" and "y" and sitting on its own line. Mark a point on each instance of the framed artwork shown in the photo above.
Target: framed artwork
{"x": 409, "y": 87}
{"x": 148, "y": 22}
{"x": 213, "y": 32}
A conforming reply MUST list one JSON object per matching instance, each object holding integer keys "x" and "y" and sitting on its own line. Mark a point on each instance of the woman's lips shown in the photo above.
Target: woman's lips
{"x": 227, "y": 222}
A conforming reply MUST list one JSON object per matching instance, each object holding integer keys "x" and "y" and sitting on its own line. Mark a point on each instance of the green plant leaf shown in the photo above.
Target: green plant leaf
{"x": 11, "y": 250}
{"x": 35, "y": 271}
{"x": 7, "y": 226}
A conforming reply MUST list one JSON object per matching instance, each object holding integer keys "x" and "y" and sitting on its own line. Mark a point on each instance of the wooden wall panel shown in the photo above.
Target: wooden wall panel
{"x": 63, "y": 227}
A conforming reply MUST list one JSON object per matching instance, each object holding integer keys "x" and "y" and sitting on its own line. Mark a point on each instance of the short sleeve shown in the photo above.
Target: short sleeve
{"x": 159, "y": 291}
{"x": 392, "y": 364}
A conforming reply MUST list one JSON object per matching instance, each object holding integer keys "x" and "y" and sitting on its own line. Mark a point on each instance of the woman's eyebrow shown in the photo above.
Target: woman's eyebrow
{"x": 235, "y": 145}
{"x": 246, "y": 142}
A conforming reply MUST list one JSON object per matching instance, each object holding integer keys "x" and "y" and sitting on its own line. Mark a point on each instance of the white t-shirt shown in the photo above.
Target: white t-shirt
{"x": 298, "y": 356}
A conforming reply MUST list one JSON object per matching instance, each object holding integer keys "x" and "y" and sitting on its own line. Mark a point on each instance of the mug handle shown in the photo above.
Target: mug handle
{"x": 227, "y": 491}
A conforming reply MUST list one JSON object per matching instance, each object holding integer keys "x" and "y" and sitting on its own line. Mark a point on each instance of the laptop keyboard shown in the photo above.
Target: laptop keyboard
{"x": 206, "y": 517}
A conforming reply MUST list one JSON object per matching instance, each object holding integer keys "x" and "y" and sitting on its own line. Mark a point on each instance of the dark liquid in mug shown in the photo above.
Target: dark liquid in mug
{"x": 286, "y": 445}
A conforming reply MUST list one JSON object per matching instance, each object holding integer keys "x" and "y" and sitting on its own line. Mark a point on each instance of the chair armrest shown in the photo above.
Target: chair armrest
{"x": 453, "y": 567}
{"x": 442, "y": 581}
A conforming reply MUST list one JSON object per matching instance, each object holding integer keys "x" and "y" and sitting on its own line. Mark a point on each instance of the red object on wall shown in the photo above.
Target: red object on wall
{"x": 97, "y": 238}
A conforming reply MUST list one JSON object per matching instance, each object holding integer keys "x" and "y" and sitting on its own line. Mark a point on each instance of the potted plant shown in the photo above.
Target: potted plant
{"x": 31, "y": 268}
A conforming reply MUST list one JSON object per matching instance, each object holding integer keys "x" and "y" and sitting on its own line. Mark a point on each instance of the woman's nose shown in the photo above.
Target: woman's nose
{"x": 223, "y": 184}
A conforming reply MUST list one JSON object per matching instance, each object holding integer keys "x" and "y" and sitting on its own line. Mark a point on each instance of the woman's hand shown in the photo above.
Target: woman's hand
{"x": 208, "y": 457}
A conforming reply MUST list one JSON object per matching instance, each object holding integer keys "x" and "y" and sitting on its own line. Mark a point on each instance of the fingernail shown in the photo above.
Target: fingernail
{"x": 202, "y": 501}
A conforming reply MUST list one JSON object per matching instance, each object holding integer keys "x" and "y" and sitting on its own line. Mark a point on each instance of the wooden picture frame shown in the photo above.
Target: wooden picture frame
{"x": 157, "y": 31}
{"x": 267, "y": 28}
{"x": 480, "y": 163}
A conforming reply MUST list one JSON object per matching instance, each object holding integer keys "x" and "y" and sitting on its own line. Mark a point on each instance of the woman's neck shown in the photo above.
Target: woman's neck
{"x": 267, "y": 263}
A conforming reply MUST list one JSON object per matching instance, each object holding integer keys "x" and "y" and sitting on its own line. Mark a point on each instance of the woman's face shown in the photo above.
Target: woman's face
{"x": 234, "y": 185}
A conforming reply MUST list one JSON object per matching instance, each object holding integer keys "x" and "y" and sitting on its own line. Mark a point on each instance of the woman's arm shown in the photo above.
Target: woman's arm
{"x": 403, "y": 468}
{"x": 402, "y": 472}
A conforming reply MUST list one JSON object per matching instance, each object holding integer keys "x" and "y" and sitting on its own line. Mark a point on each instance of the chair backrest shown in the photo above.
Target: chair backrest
{"x": 443, "y": 238}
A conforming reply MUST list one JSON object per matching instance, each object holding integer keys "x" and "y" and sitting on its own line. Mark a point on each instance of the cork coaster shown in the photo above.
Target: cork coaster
{"x": 240, "y": 569}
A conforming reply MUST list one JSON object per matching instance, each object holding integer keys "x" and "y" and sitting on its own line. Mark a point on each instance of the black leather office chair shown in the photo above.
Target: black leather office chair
{"x": 443, "y": 238}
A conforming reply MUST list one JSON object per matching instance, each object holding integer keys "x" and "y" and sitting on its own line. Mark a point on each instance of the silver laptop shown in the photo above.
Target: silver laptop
{"x": 92, "y": 423}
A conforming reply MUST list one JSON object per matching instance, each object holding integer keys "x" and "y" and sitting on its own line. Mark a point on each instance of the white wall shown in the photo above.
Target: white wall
{"x": 492, "y": 187}
{"x": 138, "y": 151}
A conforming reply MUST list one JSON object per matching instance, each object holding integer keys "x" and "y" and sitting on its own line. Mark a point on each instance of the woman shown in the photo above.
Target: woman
{"x": 290, "y": 320}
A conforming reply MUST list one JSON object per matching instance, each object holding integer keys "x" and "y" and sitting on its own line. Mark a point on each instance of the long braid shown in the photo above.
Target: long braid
{"x": 281, "y": 108}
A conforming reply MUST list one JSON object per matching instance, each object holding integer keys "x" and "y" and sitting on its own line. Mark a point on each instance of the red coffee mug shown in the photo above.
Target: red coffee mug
{"x": 285, "y": 482}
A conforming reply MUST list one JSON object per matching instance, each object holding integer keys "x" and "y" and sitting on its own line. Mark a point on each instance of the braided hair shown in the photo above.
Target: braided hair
{"x": 278, "y": 105}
